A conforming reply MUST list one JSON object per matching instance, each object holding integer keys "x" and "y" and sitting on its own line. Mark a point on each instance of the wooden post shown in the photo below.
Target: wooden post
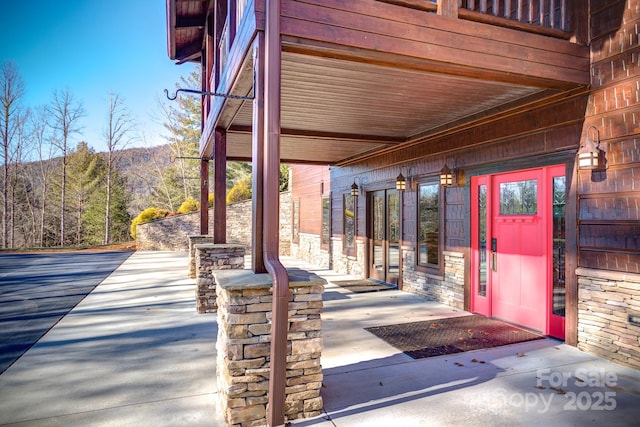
{"x": 448, "y": 8}
{"x": 257, "y": 140}
{"x": 271, "y": 207}
{"x": 220, "y": 187}
{"x": 204, "y": 196}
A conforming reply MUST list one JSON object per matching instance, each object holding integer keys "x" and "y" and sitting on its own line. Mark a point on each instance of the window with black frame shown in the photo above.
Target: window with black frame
{"x": 326, "y": 223}
{"x": 349, "y": 222}
{"x": 428, "y": 225}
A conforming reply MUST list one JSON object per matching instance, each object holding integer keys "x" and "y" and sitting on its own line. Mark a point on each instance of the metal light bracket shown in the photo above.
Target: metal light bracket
{"x": 202, "y": 92}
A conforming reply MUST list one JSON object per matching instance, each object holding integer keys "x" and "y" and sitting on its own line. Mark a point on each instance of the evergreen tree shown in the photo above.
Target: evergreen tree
{"x": 180, "y": 180}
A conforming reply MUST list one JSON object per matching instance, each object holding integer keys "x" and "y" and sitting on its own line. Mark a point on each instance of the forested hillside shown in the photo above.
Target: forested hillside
{"x": 58, "y": 191}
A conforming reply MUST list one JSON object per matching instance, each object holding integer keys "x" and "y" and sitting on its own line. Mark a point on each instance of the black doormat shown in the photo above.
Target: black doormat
{"x": 363, "y": 285}
{"x": 451, "y": 335}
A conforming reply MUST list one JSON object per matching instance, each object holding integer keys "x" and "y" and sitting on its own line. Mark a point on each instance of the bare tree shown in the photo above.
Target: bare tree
{"x": 116, "y": 135}
{"x": 12, "y": 87}
{"x": 65, "y": 112}
{"x": 44, "y": 150}
{"x": 16, "y": 173}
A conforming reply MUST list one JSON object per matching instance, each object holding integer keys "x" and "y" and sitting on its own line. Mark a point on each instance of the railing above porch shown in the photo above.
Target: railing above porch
{"x": 549, "y": 17}
{"x": 544, "y": 13}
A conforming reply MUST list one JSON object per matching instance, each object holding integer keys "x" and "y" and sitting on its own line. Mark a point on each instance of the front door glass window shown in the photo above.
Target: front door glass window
{"x": 482, "y": 240}
{"x": 559, "y": 203}
{"x": 519, "y": 197}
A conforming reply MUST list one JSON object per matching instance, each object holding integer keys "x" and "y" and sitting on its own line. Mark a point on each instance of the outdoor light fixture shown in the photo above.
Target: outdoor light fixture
{"x": 446, "y": 176}
{"x": 401, "y": 182}
{"x": 450, "y": 177}
{"x": 354, "y": 189}
{"x": 590, "y": 156}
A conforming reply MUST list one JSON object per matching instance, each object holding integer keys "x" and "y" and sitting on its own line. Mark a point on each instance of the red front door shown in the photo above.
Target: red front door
{"x": 518, "y": 242}
{"x": 513, "y": 248}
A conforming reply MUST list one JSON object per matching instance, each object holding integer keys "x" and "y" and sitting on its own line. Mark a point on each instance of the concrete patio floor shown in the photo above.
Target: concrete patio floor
{"x": 134, "y": 352}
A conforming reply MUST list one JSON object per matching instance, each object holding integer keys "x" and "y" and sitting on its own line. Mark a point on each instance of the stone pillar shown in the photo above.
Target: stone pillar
{"x": 196, "y": 239}
{"x": 244, "y": 341}
{"x": 211, "y": 257}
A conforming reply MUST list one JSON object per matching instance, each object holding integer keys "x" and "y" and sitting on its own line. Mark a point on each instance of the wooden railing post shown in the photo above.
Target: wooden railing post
{"x": 448, "y": 8}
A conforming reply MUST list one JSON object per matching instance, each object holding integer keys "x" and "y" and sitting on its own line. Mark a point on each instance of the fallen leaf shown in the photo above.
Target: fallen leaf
{"x": 381, "y": 383}
{"x": 558, "y": 390}
{"x": 579, "y": 379}
{"x": 482, "y": 362}
{"x": 474, "y": 360}
{"x": 541, "y": 387}
{"x": 521, "y": 355}
{"x": 458, "y": 364}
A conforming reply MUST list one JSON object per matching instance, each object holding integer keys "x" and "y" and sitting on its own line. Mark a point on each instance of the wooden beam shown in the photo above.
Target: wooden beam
{"x": 183, "y": 22}
{"x": 220, "y": 187}
{"x": 374, "y": 139}
{"x": 204, "y": 197}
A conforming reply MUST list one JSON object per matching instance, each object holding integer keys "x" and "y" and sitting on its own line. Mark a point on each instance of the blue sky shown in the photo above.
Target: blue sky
{"x": 93, "y": 47}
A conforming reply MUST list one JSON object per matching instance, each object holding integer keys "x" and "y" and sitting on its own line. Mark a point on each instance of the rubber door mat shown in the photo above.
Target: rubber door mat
{"x": 451, "y": 335}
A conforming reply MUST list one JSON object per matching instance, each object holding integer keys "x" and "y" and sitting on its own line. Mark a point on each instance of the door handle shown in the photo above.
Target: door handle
{"x": 494, "y": 254}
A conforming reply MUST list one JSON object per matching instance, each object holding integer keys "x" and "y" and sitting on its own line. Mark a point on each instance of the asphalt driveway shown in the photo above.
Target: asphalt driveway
{"x": 37, "y": 290}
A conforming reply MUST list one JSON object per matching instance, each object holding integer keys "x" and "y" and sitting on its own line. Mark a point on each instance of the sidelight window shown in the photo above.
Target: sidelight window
{"x": 428, "y": 225}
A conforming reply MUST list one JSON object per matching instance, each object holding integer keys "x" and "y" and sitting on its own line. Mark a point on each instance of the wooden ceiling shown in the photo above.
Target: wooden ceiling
{"x": 343, "y": 103}
{"x": 186, "y": 26}
{"x": 335, "y": 110}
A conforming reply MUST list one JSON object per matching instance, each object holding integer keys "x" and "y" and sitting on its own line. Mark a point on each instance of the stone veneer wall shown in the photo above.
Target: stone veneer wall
{"x": 308, "y": 249}
{"x": 347, "y": 264}
{"x": 447, "y": 288}
{"x": 605, "y": 301}
{"x": 244, "y": 342}
{"x": 209, "y": 258}
{"x": 172, "y": 233}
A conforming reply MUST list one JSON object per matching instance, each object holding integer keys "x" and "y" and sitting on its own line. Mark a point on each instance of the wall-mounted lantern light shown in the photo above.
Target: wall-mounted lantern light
{"x": 446, "y": 176}
{"x": 354, "y": 189}
{"x": 590, "y": 156}
{"x": 401, "y": 182}
{"x": 449, "y": 176}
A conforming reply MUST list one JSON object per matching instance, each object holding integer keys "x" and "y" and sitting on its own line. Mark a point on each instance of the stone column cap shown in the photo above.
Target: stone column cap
{"x": 220, "y": 246}
{"x": 237, "y": 280}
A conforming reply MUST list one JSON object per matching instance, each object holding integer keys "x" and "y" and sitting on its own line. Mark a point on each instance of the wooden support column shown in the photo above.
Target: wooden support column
{"x": 271, "y": 207}
{"x": 257, "y": 139}
{"x": 204, "y": 197}
{"x": 220, "y": 187}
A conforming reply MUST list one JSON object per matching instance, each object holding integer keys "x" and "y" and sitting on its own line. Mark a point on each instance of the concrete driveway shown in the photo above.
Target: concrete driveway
{"x": 37, "y": 290}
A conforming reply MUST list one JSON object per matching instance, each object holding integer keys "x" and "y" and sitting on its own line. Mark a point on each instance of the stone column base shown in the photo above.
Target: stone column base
{"x": 196, "y": 239}
{"x": 244, "y": 344}
{"x": 210, "y": 257}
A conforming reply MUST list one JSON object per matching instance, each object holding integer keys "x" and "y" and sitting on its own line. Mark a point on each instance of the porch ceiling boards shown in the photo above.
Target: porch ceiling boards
{"x": 334, "y": 110}
{"x": 359, "y": 77}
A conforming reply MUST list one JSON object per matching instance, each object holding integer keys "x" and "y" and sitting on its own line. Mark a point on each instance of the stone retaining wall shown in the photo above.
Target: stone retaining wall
{"x": 606, "y": 300}
{"x": 244, "y": 342}
{"x": 209, "y": 258}
{"x": 172, "y": 233}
